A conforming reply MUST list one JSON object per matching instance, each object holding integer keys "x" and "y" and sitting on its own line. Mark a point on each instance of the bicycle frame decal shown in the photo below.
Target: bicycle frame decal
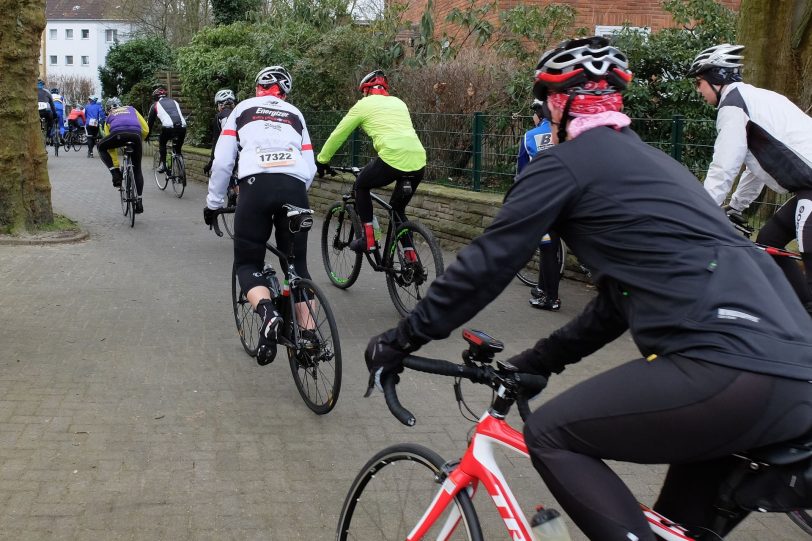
{"x": 663, "y": 527}
{"x": 479, "y": 465}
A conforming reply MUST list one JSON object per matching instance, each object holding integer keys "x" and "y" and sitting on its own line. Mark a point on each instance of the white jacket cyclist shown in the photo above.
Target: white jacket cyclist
{"x": 769, "y": 135}
{"x": 270, "y": 136}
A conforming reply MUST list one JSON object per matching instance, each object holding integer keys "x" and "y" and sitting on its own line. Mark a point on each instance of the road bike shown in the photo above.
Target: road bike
{"x": 127, "y": 191}
{"x": 74, "y": 138}
{"x": 410, "y": 256}
{"x": 175, "y": 169}
{"x": 50, "y": 139}
{"x": 747, "y": 231}
{"x": 309, "y": 331}
{"x": 409, "y": 492}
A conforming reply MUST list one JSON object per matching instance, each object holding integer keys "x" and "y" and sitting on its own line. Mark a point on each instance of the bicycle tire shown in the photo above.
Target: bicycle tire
{"x": 247, "y": 320}
{"x": 530, "y": 272}
{"x": 122, "y": 192}
{"x": 160, "y": 178}
{"x": 56, "y": 144}
{"x": 803, "y": 518}
{"x": 316, "y": 368}
{"x": 67, "y": 142}
{"x": 391, "y": 511}
{"x": 132, "y": 192}
{"x": 227, "y": 219}
{"x": 178, "y": 175}
{"x": 342, "y": 264}
{"x": 79, "y": 141}
{"x": 407, "y": 282}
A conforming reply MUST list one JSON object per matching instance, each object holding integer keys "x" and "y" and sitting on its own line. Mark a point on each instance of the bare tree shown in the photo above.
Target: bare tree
{"x": 25, "y": 192}
{"x": 778, "y": 39}
{"x": 177, "y": 21}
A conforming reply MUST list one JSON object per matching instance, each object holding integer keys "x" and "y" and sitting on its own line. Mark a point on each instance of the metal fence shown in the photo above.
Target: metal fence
{"x": 478, "y": 151}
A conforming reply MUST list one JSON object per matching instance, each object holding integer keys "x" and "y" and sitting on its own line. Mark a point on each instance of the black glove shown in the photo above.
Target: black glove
{"x": 207, "y": 168}
{"x": 734, "y": 215}
{"x": 208, "y": 216}
{"x": 322, "y": 169}
{"x": 530, "y": 361}
{"x": 385, "y": 353}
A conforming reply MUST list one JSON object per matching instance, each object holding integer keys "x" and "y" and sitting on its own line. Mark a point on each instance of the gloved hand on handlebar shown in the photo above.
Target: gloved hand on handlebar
{"x": 209, "y": 216}
{"x": 533, "y": 361}
{"x": 323, "y": 169}
{"x": 734, "y": 215}
{"x": 385, "y": 353}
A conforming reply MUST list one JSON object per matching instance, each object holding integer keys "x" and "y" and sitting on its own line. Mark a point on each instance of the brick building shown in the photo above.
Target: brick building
{"x": 597, "y": 16}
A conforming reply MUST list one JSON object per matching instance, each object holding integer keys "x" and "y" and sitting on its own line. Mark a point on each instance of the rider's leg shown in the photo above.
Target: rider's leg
{"x": 162, "y": 139}
{"x": 779, "y": 231}
{"x": 179, "y": 135}
{"x": 549, "y": 275}
{"x": 107, "y": 153}
{"x": 374, "y": 175}
{"x": 668, "y": 410}
{"x": 92, "y": 132}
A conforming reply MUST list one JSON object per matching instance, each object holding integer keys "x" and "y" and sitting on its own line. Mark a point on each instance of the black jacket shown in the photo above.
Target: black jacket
{"x": 669, "y": 266}
{"x": 217, "y": 126}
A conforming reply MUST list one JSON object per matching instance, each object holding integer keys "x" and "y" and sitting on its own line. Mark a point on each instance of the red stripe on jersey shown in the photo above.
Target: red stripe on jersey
{"x": 307, "y": 147}
{"x": 229, "y": 132}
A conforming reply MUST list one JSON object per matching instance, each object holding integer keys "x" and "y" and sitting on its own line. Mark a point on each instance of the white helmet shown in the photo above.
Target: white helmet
{"x": 275, "y": 75}
{"x": 223, "y": 96}
{"x": 720, "y": 64}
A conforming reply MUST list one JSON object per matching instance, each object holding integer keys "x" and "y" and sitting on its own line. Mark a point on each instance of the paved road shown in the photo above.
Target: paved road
{"x": 128, "y": 409}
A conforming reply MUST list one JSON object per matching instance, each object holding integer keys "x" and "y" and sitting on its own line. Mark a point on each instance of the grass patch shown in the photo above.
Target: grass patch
{"x": 60, "y": 223}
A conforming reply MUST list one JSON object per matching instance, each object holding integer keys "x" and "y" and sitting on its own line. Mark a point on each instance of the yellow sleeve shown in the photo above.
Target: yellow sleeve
{"x": 105, "y": 131}
{"x": 351, "y": 120}
{"x": 144, "y": 127}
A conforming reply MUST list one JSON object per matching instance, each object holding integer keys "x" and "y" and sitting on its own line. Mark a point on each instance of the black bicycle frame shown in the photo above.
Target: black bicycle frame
{"x": 376, "y": 260}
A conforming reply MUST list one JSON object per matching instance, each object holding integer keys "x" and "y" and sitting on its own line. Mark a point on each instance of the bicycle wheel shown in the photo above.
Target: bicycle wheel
{"x": 393, "y": 491}
{"x": 79, "y": 141}
{"x": 178, "y": 175}
{"x": 802, "y": 518}
{"x": 67, "y": 142}
{"x": 160, "y": 178}
{"x": 407, "y": 280}
{"x": 316, "y": 361}
{"x": 530, "y": 272}
{"x": 228, "y": 219}
{"x": 132, "y": 193}
{"x": 122, "y": 192}
{"x": 248, "y": 322}
{"x": 56, "y": 144}
{"x": 341, "y": 263}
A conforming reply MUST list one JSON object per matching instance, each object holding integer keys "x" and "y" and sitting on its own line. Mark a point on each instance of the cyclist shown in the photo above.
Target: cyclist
{"x": 45, "y": 105}
{"x": 94, "y": 119}
{"x": 545, "y": 295}
{"x": 76, "y": 118}
{"x": 124, "y": 125}
{"x": 401, "y": 157}
{"x": 275, "y": 167}
{"x": 726, "y": 362}
{"x": 59, "y": 106}
{"x": 770, "y": 136}
{"x": 173, "y": 125}
{"x": 224, "y": 100}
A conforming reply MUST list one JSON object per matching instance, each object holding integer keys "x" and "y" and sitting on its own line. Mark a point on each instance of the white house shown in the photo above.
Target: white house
{"x": 78, "y": 34}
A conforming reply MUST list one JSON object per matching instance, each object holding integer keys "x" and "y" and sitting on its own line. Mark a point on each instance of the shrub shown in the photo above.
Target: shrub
{"x": 132, "y": 62}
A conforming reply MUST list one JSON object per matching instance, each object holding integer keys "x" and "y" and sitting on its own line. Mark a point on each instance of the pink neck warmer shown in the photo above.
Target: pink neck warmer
{"x": 579, "y": 124}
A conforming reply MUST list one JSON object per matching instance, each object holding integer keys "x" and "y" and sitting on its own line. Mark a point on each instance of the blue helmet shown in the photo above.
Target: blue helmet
{"x": 40, "y": 83}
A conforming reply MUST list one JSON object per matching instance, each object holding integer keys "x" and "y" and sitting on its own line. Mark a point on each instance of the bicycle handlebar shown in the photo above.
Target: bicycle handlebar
{"x": 215, "y": 224}
{"x": 527, "y": 385}
{"x": 342, "y": 169}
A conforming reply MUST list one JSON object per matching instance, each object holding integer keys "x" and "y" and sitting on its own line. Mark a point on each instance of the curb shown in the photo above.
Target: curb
{"x": 75, "y": 236}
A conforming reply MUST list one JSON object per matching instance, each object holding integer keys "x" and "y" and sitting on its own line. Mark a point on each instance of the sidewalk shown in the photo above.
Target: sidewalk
{"x": 130, "y": 411}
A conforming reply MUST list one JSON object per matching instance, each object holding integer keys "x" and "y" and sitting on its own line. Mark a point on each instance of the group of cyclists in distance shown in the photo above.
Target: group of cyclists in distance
{"x": 725, "y": 334}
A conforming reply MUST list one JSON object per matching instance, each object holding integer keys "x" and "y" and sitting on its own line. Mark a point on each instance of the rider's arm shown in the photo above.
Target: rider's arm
{"x": 153, "y": 113}
{"x": 307, "y": 154}
{"x": 524, "y": 156}
{"x": 144, "y": 127}
{"x": 486, "y": 266}
{"x": 53, "y": 107}
{"x": 729, "y": 152}
{"x": 225, "y": 154}
{"x": 747, "y": 191}
{"x": 351, "y": 120}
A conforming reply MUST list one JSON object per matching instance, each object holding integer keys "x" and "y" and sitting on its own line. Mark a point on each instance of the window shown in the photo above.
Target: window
{"x": 53, "y": 59}
{"x": 85, "y": 33}
{"x": 69, "y": 60}
{"x": 110, "y": 35}
{"x": 69, "y": 33}
{"x": 52, "y": 33}
{"x": 85, "y": 60}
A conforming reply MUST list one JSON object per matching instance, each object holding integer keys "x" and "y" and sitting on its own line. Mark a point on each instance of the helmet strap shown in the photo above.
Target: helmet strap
{"x": 717, "y": 89}
{"x": 565, "y": 116}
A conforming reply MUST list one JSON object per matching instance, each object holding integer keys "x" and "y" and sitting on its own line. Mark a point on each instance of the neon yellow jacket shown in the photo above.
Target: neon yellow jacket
{"x": 386, "y": 120}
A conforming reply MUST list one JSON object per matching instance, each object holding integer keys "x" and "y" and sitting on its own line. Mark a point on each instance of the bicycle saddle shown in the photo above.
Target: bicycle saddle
{"x": 786, "y": 452}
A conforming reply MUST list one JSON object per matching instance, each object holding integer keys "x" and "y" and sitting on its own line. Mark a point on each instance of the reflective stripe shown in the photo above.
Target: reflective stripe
{"x": 307, "y": 147}
{"x": 803, "y": 208}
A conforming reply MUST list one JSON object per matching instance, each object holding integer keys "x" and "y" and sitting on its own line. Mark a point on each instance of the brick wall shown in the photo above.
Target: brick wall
{"x": 644, "y": 13}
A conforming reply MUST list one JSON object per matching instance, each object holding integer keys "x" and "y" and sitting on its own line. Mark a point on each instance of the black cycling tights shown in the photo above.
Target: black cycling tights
{"x": 259, "y": 211}
{"x": 376, "y": 174}
{"x": 790, "y": 222}
{"x": 550, "y": 266}
{"x": 118, "y": 140}
{"x": 671, "y": 410}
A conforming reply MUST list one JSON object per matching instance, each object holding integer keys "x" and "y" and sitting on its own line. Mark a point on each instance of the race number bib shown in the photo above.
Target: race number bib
{"x": 93, "y": 122}
{"x": 42, "y": 105}
{"x": 268, "y": 158}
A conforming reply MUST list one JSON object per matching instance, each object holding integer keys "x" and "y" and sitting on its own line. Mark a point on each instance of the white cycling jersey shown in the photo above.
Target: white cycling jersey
{"x": 270, "y": 136}
{"x": 767, "y": 133}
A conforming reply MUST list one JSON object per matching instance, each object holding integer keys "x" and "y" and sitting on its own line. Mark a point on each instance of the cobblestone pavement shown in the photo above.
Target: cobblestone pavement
{"x": 128, "y": 409}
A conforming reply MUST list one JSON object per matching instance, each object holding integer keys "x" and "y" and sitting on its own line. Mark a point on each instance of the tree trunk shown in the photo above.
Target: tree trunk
{"x": 777, "y": 35}
{"x": 25, "y": 192}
